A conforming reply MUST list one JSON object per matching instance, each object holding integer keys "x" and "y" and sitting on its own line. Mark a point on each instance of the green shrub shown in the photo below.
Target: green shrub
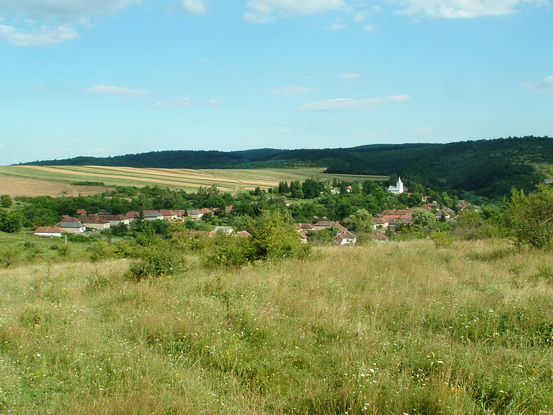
{"x": 531, "y": 216}
{"x": 156, "y": 262}
{"x": 10, "y": 255}
{"x": 100, "y": 250}
{"x": 229, "y": 251}
{"x": 441, "y": 239}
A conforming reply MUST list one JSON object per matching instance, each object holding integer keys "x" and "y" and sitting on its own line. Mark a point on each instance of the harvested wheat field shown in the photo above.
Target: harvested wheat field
{"x": 56, "y": 180}
{"x": 19, "y": 186}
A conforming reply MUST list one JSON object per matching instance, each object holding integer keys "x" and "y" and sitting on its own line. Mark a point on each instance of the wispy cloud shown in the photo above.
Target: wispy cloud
{"x": 174, "y": 103}
{"x": 263, "y": 11}
{"x": 338, "y": 26}
{"x": 61, "y": 11}
{"x": 39, "y": 36}
{"x": 2, "y": 145}
{"x": 361, "y": 16}
{"x": 290, "y": 91}
{"x": 114, "y": 90}
{"x": 46, "y": 22}
{"x": 352, "y": 103}
{"x": 194, "y": 6}
{"x": 462, "y": 8}
{"x": 546, "y": 84}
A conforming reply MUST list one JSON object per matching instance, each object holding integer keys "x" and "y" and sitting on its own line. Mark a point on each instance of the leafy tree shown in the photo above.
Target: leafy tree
{"x": 283, "y": 187}
{"x": 424, "y": 220}
{"x": 12, "y": 222}
{"x": 361, "y": 221}
{"x": 312, "y": 188}
{"x": 5, "y": 201}
{"x": 296, "y": 189}
{"x": 531, "y": 216}
{"x": 274, "y": 236}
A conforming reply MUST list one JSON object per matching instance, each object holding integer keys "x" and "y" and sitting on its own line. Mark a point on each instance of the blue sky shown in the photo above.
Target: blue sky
{"x": 109, "y": 77}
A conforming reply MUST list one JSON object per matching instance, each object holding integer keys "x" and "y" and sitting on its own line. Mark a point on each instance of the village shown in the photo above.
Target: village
{"x": 382, "y": 225}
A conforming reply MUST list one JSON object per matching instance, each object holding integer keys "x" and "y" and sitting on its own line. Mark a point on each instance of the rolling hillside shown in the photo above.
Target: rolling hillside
{"x": 487, "y": 168}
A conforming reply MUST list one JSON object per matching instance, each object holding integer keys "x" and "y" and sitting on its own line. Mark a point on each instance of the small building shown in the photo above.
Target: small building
{"x": 345, "y": 238}
{"x": 95, "y": 222}
{"x": 398, "y": 188}
{"x": 48, "y": 231}
{"x": 152, "y": 215}
{"x": 69, "y": 224}
{"x": 379, "y": 237}
{"x": 115, "y": 220}
{"x": 227, "y": 230}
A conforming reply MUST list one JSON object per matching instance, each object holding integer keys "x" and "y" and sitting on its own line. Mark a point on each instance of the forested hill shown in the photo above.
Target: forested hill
{"x": 485, "y": 167}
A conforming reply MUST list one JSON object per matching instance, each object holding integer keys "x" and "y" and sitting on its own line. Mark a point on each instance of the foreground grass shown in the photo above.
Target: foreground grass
{"x": 383, "y": 329}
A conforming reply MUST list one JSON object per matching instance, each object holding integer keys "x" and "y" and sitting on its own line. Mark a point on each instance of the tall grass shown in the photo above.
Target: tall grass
{"x": 383, "y": 329}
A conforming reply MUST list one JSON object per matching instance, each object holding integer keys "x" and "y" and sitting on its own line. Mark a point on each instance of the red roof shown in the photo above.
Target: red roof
{"x": 48, "y": 229}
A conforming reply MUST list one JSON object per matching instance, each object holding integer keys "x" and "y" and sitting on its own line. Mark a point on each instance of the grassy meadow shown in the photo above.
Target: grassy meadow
{"x": 58, "y": 180}
{"x": 397, "y": 328}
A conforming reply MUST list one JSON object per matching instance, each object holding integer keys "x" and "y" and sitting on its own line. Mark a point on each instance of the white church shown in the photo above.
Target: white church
{"x": 398, "y": 188}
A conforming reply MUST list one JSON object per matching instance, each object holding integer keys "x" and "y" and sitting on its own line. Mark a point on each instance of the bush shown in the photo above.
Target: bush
{"x": 100, "y": 251}
{"x": 156, "y": 262}
{"x": 531, "y": 216}
{"x": 229, "y": 251}
{"x": 274, "y": 236}
{"x": 10, "y": 255}
{"x": 441, "y": 239}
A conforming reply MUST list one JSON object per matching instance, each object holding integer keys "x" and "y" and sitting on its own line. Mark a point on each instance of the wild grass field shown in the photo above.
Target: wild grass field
{"x": 58, "y": 180}
{"x": 397, "y": 328}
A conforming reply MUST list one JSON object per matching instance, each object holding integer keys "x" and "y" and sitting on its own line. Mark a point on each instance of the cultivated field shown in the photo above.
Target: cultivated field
{"x": 57, "y": 180}
{"x": 397, "y": 328}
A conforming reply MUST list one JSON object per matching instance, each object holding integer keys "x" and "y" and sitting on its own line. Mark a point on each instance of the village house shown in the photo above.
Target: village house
{"x": 95, "y": 222}
{"x": 48, "y": 231}
{"x": 345, "y": 238}
{"x": 152, "y": 215}
{"x": 115, "y": 220}
{"x": 132, "y": 216}
{"x": 379, "y": 237}
{"x": 326, "y": 224}
{"x": 69, "y": 224}
{"x": 394, "y": 218}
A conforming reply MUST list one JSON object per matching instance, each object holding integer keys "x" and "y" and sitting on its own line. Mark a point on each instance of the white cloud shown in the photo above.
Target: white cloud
{"x": 290, "y": 91}
{"x": 100, "y": 150}
{"x": 462, "y": 8}
{"x": 2, "y": 145}
{"x": 360, "y": 16}
{"x": 338, "y": 26}
{"x": 263, "y": 11}
{"x": 174, "y": 103}
{"x": 213, "y": 102}
{"x": 41, "y": 36}
{"x": 45, "y": 22}
{"x": 194, "y": 6}
{"x": 352, "y": 103}
{"x": 546, "y": 84}
{"x": 114, "y": 90}
{"x": 369, "y": 28}
{"x": 61, "y": 11}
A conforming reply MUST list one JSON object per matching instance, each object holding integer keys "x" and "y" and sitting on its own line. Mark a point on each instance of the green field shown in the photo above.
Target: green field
{"x": 232, "y": 181}
{"x": 397, "y": 328}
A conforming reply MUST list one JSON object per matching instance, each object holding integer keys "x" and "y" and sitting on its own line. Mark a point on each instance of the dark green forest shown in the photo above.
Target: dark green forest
{"x": 482, "y": 168}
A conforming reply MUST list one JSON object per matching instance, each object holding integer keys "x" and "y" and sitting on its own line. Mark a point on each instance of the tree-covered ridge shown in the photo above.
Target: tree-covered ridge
{"x": 487, "y": 168}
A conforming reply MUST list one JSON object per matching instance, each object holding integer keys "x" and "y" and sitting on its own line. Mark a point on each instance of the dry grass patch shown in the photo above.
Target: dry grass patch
{"x": 386, "y": 328}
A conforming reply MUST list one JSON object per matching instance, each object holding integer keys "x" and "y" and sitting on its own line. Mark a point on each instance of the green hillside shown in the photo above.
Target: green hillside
{"x": 487, "y": 168}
